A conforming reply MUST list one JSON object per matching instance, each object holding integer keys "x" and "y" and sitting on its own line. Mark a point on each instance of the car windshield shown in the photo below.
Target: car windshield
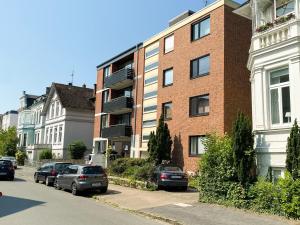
{"x": 5, "y": 163}
{"x": 171, "y": 168}
{"x": 93, "y": 170}
{"x": 62, "y": 166}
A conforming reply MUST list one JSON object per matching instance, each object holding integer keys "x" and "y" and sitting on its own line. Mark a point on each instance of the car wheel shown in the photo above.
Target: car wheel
{"x": 103, "y": 190}
{"x": 56, "y": 185}
{"x": 48, "y": 183}
{"x": 74, "y": 189}
{"x": 185, "y": 188}
{"x": 36, "y": 180}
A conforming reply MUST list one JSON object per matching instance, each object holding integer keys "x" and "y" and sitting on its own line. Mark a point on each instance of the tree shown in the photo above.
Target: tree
{"x": 160, "y": 144}
{"x": 293, "y": 152}
{"x": 8, "y": 141}
{"x": 77, "y": 149}
{"x": 45, "y": 154}
{"x": 243, "y": 152}
{"x": 20, "y": 157}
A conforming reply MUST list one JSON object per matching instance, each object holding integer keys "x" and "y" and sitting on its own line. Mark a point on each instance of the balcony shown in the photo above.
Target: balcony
{"x": 275, "y": 35}
{"x": 120, "y": 79}
{"x": 120, "y": 131}
{"x": 118, "y": 106}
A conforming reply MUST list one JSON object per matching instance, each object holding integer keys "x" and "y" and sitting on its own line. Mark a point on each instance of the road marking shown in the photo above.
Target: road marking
{"x": 183, "y": 205}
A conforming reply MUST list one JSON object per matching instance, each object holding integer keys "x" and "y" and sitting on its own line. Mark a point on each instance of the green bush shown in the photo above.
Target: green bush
{"x": 77, "y": 149}
{"x": 45, "y": 154}
{"x": 20, "y": 157}
{"x": 144, "y": 173}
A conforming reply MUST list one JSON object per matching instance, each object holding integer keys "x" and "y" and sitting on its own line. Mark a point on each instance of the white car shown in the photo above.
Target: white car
{"x": 12, "y": 159}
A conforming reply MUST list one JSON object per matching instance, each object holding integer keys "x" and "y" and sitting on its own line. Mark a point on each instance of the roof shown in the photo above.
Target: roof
{"x": 74, "y": 97}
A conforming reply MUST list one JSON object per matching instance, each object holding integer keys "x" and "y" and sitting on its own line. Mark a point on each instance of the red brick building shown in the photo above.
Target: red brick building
{"x": 194, "y": 73}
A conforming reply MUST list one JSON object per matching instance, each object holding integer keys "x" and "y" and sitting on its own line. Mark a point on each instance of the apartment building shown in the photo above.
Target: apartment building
{"x": 9, "y": 119}
{"x": 274, "y": 62}
{"x": 193, "y": 72}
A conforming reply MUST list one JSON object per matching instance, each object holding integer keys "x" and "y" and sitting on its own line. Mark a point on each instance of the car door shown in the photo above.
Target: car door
{"x": 62, "y": 177}
{"x": 41, "y": 172}
{"x": 71, "y": 176}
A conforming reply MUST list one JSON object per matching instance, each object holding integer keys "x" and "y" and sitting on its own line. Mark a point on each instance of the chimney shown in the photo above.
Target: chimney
{"x": 24, "y": 93}
{"x": 180, "y": 17}
{"x": 95, "y": 89}
{"x": 47, "y": 90}
{"x": 84, "y": 85}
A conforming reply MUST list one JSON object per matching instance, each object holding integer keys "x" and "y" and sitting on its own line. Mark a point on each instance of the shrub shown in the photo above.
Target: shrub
{"x": 77, "y": 149}
{"x": 119, "y": 166}
{"x": 144, "y": 173}
{"x": 20, "y": 157}
{"x": 45, "y": 154}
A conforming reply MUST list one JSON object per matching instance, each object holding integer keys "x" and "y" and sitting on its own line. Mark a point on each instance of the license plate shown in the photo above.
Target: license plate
{"x": 96, "y": 185}
{"x": 2, "y": 174}
{"x": 176, "y": 177}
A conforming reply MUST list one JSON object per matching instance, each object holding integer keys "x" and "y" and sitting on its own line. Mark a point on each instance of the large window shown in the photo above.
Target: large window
{"x": 150, "y": 94}
{"x": 151, "y": 53}
{"x": 196, "y": 145}
{"x": 199, "y": 105}
{"x": 200, "y": 29}
{"x": 60, "y": 129}
{"x": 200, "y": 66}
{"x": 106, "y": 71}
{"x": 167, "y": 111}
{"x": 151, "y": 66}
{"x": 168, "y": 77}
{"x": 284, "y": 7}
{"x": 150, "y": 108}
{"x": 149, "y": 123}
{"x": 151, "y": 80}
{"x": 280, "y": 97}
{"x": 105, "y": 96}
{"x": 104, "y": 121}
{"x": 169, "y": 43}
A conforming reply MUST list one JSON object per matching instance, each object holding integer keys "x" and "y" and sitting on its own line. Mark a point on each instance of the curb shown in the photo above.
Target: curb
{"x": 139, "y": 212}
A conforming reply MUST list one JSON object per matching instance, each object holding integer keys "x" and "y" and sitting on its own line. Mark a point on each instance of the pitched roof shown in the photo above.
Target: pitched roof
{"x": 74, "y": 97}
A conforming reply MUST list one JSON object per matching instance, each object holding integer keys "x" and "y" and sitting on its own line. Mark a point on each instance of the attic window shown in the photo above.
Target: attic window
{"x": 284, "y": 7}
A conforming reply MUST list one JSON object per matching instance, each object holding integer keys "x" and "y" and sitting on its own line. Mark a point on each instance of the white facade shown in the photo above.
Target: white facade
{"x": 9, "y": 119}
{"x": 274, "y": 62}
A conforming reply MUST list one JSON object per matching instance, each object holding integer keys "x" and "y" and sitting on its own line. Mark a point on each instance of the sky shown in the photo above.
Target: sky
{"x": 45, "y": 41}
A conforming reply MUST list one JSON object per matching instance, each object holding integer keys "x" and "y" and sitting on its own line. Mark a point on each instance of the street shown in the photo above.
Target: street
{"x": 27, "y": 203}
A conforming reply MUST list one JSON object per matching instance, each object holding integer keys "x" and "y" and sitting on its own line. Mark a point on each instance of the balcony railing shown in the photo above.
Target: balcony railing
{"x": 118, "y": 106}
{"x": 275, "y": 35}
{"x": 120, "y": 79}
{"x": 117, "y": 131}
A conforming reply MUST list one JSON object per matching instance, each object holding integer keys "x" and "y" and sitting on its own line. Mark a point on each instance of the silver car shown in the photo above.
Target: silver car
{"x": 78, "y": 178}
{"x": 12, "y": 159}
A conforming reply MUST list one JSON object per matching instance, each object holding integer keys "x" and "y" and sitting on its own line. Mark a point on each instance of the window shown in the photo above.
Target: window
{"x": 57, "y": 109}
{"x": 199, "y": 105}
{"x": 55, "y": 134}
{"x": 196, "y": 145}
{"x": 284, "y": 7}
{"x": 50, "y": 136}
{"x": 167, "y": 111}
{"x": 106, "y": 71}
{"x": 168, "y": 77}
{"x": 60, "y": 134}
{"x": 151, "y": 80}
{"x": 152, "y": 52}
{"x": 169, "y": 44}
{"x": 105, "y": 96}
{"x": 52, "y": 110}
{"x": 150, "y": 108}
{"x": 200, "y": 29}
{"x": 151, "y": 66}
{"x": 280, "y": 97}
{"x": 104, "y": 121}
{"x": 47, "y": 136}
{"x": 149, "y": 123}
{"x": 200, "y": 67}
{"x": 150, "y": 94}
{"x": 146, "y": 137}
{"x": 24, "y": 140}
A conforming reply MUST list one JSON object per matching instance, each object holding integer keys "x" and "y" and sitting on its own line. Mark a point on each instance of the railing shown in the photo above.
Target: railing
{"x": 119, "y": 79}
{"x": 117, "y": 131}
{"x": 118, "y": 105}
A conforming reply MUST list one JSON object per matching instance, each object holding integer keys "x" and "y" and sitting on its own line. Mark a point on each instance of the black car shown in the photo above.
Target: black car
{"x": 48, "y": 172}
{"x": 79, "y": 178}
{"x": 7, "y": 169}
{"x": 170, "y": 176}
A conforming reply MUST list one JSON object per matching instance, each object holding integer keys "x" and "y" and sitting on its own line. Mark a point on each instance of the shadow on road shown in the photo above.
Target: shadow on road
{"x": 10, "y": 205}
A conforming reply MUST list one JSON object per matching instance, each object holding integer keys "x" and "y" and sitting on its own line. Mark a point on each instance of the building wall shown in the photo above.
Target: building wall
{"x": 9, "y": 120}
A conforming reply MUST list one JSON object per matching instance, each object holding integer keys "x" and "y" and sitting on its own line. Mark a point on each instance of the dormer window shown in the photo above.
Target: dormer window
{"x": 284, "y": 7}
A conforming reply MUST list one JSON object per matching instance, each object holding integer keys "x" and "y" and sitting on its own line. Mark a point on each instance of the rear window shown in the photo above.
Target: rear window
{"x": 93, "y": 170}
{"x": 171, "y": 168}
{"x": 62, "y": 166}
{"x": 5, "y": 163}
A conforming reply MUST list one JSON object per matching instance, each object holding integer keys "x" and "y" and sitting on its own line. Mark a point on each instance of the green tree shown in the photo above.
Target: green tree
{"x": 77, "y": 149}
{"x": 20, "y": 157}
{"x": 293, "y": 152}
{"x": 160, "y": 144}
{"x": 8, "y": 141}
{"x": 243, "y": 152}
{"x": 45, "y": 154}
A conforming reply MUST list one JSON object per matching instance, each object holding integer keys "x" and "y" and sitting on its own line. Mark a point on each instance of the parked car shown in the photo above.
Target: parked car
{"x": 170, "y": 176}
{"x": 7, "y": 169}
{"x": 12, "y": 159}
{"x": 78, "y": 178}
{"x": 48, "y": 172}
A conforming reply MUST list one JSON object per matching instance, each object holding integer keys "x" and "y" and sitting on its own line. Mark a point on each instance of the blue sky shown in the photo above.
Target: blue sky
{"x": 43, "y": 41}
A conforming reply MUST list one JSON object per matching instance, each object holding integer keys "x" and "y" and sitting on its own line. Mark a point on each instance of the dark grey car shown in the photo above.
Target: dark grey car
{"x": 79, "y": 178}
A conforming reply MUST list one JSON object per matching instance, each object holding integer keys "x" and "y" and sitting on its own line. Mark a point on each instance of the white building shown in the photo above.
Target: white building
{"x": 9, "y": 119}
{"x": 274, "y": 62}
{"x": 69, "y": 116}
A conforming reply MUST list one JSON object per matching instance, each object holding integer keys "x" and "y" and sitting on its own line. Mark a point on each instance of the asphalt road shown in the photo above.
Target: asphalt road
{"x": 27, "y": 203}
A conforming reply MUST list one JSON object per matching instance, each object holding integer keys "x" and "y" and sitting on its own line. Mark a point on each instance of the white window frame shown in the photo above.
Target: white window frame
{"x": 275, "y": 9}
{"x": 279, "y": 87}
{"x": 169, "y": 40}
